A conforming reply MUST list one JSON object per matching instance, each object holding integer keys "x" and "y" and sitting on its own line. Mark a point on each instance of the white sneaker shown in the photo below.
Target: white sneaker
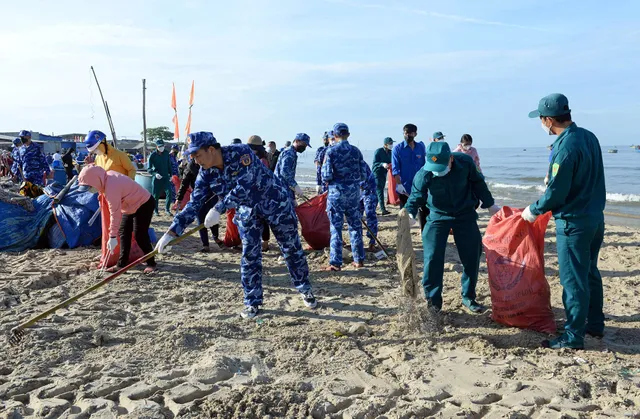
{"x": 309, "y": 299}
{"x": 249, "y": 312}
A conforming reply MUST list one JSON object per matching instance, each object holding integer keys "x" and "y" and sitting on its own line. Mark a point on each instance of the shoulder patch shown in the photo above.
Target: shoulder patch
{"x": 554, "y": 169}
{"x": 245, "y": 160}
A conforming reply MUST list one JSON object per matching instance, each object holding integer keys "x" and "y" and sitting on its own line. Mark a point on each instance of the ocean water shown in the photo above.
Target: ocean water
{"x": 515, "y": 176}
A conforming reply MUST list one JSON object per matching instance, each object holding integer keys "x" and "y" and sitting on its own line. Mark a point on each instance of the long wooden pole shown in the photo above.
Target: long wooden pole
{"x": 106, "y": 110}
{"x": 144, "y": 119}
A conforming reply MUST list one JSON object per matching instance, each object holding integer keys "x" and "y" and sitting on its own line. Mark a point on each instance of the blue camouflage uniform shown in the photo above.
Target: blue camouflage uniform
{"x": 15, "y": 155}
{"x": 320, "y": 153}
{"x": 173, "y": 160}
{"x": 246, "y": 184}
{"x": 344, "y": 171}
{"x": 368, "y": 204}
{"x": 34, "y": 163}
{"x": 286, "y": 171}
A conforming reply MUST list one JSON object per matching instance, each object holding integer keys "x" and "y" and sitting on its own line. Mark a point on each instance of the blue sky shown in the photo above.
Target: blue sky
{"x": 278, "y": 67}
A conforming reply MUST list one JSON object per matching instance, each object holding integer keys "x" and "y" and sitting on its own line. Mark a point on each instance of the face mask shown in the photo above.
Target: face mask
{"x": 161, "y": 149}
{"x": 24, "y": 140}
{"x": 443, "y": 173}
{"x": 408, "y": 138}
{"x": 98, "y": 151}
{"x": 546, "y": 129}
{"x": 466, "y": 147}
{"x": 300, "y": 148}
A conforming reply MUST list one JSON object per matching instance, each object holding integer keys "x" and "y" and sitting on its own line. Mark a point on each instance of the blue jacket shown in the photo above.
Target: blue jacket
{"x": 244, "y": 182}
{"x": 34, "y": 163}
{"x": 319, "y": 159}
{"x": 286, "y": 167}
{"x": 369, "y": 185}
{"x": 344, "y": 165}
{"x": 406, "y": 162}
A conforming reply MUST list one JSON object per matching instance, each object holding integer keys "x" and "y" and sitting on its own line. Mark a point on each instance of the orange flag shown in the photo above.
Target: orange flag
{"x": 188, "y": 127}
{"x": 173, "y": 98}
{"x": 176, "y": 129}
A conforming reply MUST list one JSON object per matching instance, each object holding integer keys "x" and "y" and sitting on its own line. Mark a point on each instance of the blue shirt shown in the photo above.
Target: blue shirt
{"x": 286, "y": 167}
{"x": 406, "y": 162}
{"x": 344, "y": 165}
{"x": 244, "y": 181}
{"x": 319, "y": 159}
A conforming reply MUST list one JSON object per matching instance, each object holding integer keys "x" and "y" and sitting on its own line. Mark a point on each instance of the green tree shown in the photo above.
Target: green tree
{"x": 159, "y": 133}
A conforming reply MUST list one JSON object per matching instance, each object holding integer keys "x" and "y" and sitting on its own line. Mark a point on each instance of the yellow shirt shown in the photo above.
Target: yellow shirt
{"x": 118, "y": 161}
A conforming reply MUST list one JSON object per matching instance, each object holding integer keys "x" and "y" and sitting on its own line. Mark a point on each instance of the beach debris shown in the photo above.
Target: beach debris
{"x": 406, "y": 257}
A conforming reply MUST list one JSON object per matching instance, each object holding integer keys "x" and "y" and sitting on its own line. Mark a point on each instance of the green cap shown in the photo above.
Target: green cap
{"x": 388, "y": 140}
{"x": 159, "y": 143}
{"x": 438, "y": 154}
{"x": 555, "y": 104}
{"x": 438, "y": 135}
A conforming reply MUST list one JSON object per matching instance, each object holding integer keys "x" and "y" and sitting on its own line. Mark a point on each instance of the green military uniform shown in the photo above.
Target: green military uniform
{"x": 381, "y": 156}
{"x": 576, "y": 195}
{"x": 160, "y": 163}
{"x": 452, "y": 200}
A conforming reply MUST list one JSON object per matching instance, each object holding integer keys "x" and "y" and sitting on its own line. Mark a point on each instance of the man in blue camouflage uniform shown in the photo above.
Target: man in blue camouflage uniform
{"x": 173, "y": 159}
{"x": 236, "y": 175}
{"x": 33, "y": 161}
{"x": 17, "y": 165}
{"x": 287, "y": 163}
{"x": 368, "y": 204}
{"x": 321, "y": 187}
{"x": 344, "y": 170}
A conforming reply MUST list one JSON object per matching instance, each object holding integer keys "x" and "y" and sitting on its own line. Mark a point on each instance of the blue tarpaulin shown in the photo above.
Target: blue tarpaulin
{"x": 22, "y": 230}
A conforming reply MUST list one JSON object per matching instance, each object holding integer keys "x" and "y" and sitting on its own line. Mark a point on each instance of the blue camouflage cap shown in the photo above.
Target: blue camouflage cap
{"x": 25, "y": 133}
{"x": 325, "y": 136}
{"x": 17, "y": 141}
{"x": 301, "y": 136}
{"x": 438, "y": 154}
{"x": 200, "y": 139}
{"x": 555, "y": 104}
{"x": 340, "y": 129}
{"x": 175, "y": 147}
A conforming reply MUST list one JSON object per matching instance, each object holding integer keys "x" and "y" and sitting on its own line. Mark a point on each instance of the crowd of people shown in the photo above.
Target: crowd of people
{"x": 441, "y": 190}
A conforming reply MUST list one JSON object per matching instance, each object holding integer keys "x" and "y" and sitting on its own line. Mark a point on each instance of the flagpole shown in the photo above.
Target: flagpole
{"x": 144, "y": 119}
{"x": 106, "y": 110}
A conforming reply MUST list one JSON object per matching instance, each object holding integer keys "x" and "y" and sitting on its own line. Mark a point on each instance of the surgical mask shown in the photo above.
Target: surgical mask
{"x": 466, "y": 147}
{"x": 443, "y": 173}
{"x": 408, "y": 138}
{"x": 161, "y": 149}
{"x": 300, "y": 148}
{"x": 98, "y": 151}
{"x": 546, "y": 129}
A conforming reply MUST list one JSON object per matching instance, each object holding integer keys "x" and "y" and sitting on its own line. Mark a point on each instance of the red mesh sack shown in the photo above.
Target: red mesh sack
{"x": 315, "y": 222}
{"x": 231, "y": 233}
{"x": 392, "y": 195}
{"x": 520, "y": 294}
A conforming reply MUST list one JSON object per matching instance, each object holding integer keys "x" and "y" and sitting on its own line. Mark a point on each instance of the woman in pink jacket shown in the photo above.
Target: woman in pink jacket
{"x": 466, "y": 148}
{"x": 131, "y": 207}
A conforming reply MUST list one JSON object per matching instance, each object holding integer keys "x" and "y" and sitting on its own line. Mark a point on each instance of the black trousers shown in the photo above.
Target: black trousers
{"x": 423, "y": 212}
{"x": 138, "y": 225}
{"x": 215, "y": 230}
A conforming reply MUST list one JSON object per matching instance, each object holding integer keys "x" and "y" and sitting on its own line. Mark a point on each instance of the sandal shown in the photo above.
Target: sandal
{"x": 150, "y": 269}
{"x": 357, "y": 265}
{"x": 333, "y": 268}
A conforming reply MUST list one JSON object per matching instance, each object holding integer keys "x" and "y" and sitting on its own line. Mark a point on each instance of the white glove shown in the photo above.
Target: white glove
{"x": 528, "y": 216}
{"x": 212, "y": 218}
{"x": 298, "y": 191}
{"x": 493, "y": 210}
{"x": 546, "y": 180}
{"x": 318, "y": 189}
{"x": 401, "y": 190}
{"x": 161, "y": 246}
{"x": 158, "y": 176}
{"x": 112, "y": 243}
{"x": 385, "y": 165}
{"x": 412, "y": 221}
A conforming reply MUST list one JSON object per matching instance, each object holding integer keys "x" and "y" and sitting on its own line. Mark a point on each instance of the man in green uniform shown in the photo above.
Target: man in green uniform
{"x": 451, "y": 186}
{"x": 160, "y": 168}
{"x": 381, "y": 164}
{"x": 576, "y": 196}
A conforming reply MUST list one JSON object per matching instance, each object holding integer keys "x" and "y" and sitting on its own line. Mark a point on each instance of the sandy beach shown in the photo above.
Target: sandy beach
{"x": 173, "y": 344}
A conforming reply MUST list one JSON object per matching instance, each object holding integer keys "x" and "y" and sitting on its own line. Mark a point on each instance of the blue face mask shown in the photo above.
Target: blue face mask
{"x": 443, "y": 173}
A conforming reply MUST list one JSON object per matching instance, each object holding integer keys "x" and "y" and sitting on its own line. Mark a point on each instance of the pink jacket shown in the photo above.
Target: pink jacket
{"x": 472, "y": 152}
{"x": 123, "y": 195}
